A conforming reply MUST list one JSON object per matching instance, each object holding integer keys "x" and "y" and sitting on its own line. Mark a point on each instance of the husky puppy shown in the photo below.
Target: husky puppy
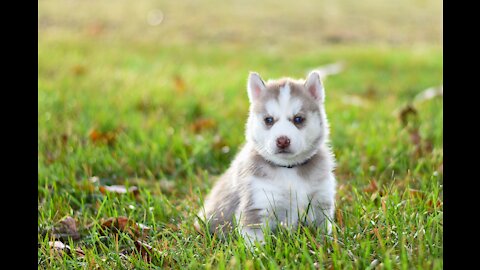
{"x": 283, "y": 175}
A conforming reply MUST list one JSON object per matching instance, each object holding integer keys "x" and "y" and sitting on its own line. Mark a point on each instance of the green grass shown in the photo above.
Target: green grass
{"x": 152, "y": 91}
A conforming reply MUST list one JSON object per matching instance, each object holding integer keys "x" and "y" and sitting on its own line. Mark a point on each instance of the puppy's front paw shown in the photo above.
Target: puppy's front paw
{"x": 252, "y": 236}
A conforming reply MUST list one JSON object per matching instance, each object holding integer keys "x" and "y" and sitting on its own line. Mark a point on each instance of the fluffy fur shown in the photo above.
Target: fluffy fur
{"x": 269, "y": 185}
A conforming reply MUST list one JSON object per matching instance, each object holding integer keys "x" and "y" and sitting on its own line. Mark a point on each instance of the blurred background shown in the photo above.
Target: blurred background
{"x": 244, "y": 23}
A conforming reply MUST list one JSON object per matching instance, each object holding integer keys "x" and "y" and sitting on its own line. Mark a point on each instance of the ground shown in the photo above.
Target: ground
{"x": 153, "y": 96}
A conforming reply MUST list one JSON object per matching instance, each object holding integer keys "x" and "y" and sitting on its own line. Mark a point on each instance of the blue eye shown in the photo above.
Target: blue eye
{"x": 268, "y": 120}
{"x": 298, "y": 119}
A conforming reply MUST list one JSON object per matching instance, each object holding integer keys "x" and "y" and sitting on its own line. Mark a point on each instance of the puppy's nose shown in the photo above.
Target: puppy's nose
{"x": 283, "y": 142}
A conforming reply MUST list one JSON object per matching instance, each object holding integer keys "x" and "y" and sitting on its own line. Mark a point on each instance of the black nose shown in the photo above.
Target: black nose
{"x": 283, "y": 142}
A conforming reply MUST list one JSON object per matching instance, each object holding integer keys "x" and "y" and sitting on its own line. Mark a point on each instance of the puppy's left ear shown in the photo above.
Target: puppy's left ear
{"x": 315, "y": 87}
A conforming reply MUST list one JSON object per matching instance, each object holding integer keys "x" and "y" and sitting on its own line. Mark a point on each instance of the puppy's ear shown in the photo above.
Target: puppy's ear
{"x": 255, "y": 86}
{"x": 315, "y": 87}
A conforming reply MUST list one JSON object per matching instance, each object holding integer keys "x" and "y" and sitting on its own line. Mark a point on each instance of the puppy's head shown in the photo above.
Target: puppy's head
{"x": 287, "y": 121}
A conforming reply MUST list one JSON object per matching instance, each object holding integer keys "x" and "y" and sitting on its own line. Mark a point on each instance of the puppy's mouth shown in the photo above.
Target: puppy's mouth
{"x": 283, "y": 151}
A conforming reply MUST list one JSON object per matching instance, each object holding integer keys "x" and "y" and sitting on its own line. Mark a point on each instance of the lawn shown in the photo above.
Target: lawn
{"x": 152, "y": 97}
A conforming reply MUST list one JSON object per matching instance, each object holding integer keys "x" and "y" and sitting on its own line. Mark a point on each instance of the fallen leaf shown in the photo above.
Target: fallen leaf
{"x": 179, "y": 84}
{"x": 167, "y": 185}
{"x": 61, "y": 248}
{"x": 78, "y": 70}
{"x": 371, "y": 92}
{"x": 409, "y": 118}
{"x": 339, "y": 218}
{"x": 440, "y": 168}
{"x": 125, "y": 224}
{"x": 66, "y": 228}
{"x": 374, "y": 263}
{"x": 95, "y": 29}
{"x": 119, "y": 189}
{"x": 415, "y": 138}
{"x": 416, "y": 193}
{"x": 372, "y": 187}
{"x": 64, "y": 138}
{"x": 202, "y": 124}
{"x": 97, "y": 136}
{"x": 145, "y": 250}
{"x": 405, "y": 113}
{"x": 431, "y": 205}
{"x": 384, "y": 204}
{"x": 429, "y": 93}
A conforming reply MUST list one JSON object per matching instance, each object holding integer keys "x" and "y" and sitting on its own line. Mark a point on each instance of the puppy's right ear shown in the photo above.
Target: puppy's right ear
{"x": 255, "y": 86}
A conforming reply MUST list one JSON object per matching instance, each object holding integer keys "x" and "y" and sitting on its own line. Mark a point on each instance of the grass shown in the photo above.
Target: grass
{"x": 165, "y": 110}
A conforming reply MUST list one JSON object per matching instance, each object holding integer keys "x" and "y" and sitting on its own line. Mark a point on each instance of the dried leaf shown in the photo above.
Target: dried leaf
{"x": 119, "y": 189}
{"x": 405, "y": 113}
{"x": 125, "y": 224}
{"x": 119, "y": 223}
{"x": 372, "y": 187}
{"x": 339, "y": 218}
{"x": 416, "y": 193}
{"x": 429, "y": 93}
{"x": 166, "y": 185}
{"x": 78, "y": 70}
{"x": 95, "y": 29}
{"x": 61, "y": 248}
{"x": 384, "y": 204}
{"x": 97, "y": 136}
{"x": 415, "y": 137}
{"x": 145, "y": 250}
{"x": 64, "y": 138}
{"x": 431, "y": 205}
{"x": 202, "y": 124}
{"x": 179, "y": 84}
{"x": 65, "y": 229}
{"x": 440, "y": 168}
{"x": 371, "y": 92}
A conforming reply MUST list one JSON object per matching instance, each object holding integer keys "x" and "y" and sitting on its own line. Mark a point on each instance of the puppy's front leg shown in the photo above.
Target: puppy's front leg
{"x": 251, "y": 225}
{"x": 323, "y": 215}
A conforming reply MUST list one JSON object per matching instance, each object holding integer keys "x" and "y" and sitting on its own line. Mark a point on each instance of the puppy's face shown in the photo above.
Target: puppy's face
{"x": 287, "y": 121}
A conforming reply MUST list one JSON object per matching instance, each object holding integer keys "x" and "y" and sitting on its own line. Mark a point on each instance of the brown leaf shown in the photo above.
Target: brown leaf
{"x": 406, "y": 112}
{"x": 179, "y": 84}
{"x": 95, "y": 29}
{"x": 145, "y": 250}
{"x": 202, "y": 124}
{"x": 384, "y": 204}
{"x": 431, "y": 205}
{"x": 120, "y": 223}
{"x": 339, "y": 218}
{"x": 78, "y": 70}
{"x": 371, "y": 92}
{"x": 97, "y": 136}
{"x": 65, "y": 229}
{"x": 119, "y": 189}
{"x": 415, "y": 137}
{"x": 64, "y": 138}
{"x": 440, "y": 168}
{"x": 125, "y": 224}
{"x": 416, "y": 193}
{"x": 372, "y": 187}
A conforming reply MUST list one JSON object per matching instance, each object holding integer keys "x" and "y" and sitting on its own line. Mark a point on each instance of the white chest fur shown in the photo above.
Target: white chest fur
{"x": 286, "y": 197}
